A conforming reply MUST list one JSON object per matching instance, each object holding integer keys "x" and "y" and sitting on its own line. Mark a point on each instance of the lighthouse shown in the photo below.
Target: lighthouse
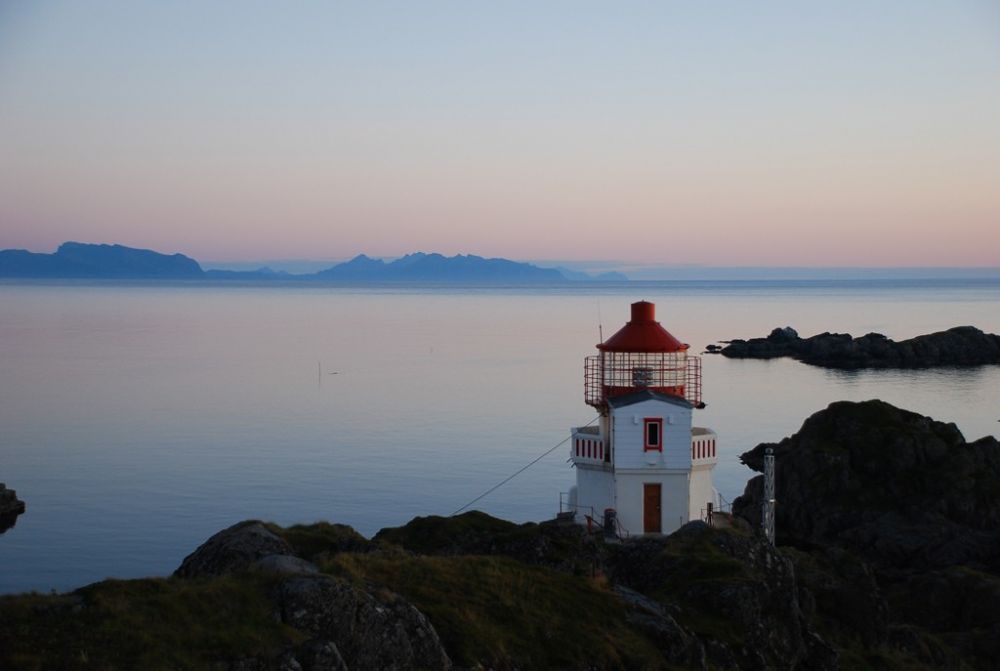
{"x": 642, "y": 468}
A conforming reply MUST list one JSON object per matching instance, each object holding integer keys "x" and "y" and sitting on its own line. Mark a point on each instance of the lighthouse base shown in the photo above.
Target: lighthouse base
{"x": 593, "y": 494}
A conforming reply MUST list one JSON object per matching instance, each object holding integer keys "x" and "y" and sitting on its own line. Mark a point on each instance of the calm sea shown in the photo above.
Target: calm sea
{"x": 137, "y": 420}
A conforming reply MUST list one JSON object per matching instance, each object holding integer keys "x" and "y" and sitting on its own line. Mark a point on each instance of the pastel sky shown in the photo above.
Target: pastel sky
{"x": 726, "y": 133}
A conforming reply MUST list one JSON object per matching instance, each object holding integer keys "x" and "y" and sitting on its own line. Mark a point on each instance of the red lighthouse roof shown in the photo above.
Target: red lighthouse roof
{"x": 642, "y": 334}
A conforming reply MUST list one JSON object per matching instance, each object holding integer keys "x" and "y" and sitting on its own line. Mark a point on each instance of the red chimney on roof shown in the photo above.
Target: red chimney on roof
{"x": 642, "y": 334}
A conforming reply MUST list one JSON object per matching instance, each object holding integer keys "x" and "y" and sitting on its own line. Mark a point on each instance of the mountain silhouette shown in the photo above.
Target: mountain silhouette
{"x": 76, "y": 260}
{"x": 79, "y": 260}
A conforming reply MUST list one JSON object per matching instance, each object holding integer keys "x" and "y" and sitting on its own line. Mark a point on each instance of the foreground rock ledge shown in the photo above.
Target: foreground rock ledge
{"x": 959, "y": 346}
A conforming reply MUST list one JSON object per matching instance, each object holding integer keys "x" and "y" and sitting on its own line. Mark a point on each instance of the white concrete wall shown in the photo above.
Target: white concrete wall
{"x": 686, "y": 488}
{"x": 702, "y": 490}
{"x": 628, "y": 439}
{"x": 595, "y": 488}
{"x": 674, "y": 505}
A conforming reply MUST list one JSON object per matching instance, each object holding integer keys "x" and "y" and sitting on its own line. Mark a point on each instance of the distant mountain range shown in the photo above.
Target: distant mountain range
{"x": 78, "y": 260}
{"x": 75, "y": 260}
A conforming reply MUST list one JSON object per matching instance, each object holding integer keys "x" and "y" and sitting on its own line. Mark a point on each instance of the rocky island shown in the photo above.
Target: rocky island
{"x": 959, "y": 346}
{"x": 888, "y": 557}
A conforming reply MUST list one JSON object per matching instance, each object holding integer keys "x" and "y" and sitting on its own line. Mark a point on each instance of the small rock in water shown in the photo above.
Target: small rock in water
{"x": 10, "y": 508}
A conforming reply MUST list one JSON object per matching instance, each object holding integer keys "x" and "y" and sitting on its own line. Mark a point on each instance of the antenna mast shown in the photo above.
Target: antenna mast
{"x": 600, "y": 326}
{"x": 767, "y": 514}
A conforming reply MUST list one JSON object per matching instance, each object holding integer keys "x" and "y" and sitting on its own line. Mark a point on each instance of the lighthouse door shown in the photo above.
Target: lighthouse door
{"x": 651, "y": 513}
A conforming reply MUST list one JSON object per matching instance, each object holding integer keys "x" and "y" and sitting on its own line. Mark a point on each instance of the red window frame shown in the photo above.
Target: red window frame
{"x": 647, "y": 446}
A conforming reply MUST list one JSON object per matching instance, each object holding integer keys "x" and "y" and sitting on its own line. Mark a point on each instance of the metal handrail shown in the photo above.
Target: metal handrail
{"x": 565, "y": 505}
{"x": 724, "y": 505}
{"x": 593, "y": 519}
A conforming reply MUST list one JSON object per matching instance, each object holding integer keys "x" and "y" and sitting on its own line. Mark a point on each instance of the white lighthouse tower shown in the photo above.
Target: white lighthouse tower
{"x": 643, "y": 463}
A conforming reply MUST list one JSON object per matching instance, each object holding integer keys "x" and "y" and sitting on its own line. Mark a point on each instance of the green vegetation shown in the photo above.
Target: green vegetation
{"x": 141, "y": 624}
{"x": 551, "y": 544}
{"x": 315, "y": 541}
{"x": 698, "y": 565}
{"x": 490, "y": 591}
{"x": 493, "y": 611}
{"x": 435, "y": 535}
{"x": 501, "y": 613}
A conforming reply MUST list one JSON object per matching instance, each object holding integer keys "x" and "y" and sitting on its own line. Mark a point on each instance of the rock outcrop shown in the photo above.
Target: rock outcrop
{"x": 284, "y": 565}
{"x": 959, "y": 346}
{"x": 369, "y": 631}
{"x": 10, "y": 508}
{"x": 901, "y": 489}
{"x": 894, "y": 519}
{"x": 751, "y": 590}
{"x": 233, "y": 549}
{"x": 347, "y": 627}
{"x": 839, "y": 590}
{"x": 678, "y": 645}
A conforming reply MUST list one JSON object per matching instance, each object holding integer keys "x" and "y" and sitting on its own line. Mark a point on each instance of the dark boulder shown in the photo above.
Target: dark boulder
{"x": 901, "y": 489}
{"x": 233, "y": 549}
{"x": 346, "y": 626}
{"x": 283, "y": 565}
{"x": 10, "y": 508}
{"x": 895, "y": 522}
{"x": 320, "y": 655}
{"x": 384, "y": 632}
{"x": 783, "y": 334}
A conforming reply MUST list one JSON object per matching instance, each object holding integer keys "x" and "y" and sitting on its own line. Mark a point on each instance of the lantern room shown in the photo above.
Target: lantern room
{"x": 642, "y": 355}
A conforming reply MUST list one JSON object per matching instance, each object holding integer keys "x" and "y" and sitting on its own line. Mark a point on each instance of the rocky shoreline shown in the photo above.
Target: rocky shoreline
{"x": 888, "y": 557}
{"x": 959, "y": 346}
{"x": 10, "y": 508}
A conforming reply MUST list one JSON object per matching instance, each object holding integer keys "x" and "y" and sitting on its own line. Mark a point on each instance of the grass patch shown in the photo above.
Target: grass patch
{"x": 311, "y": 541}
{"x": 701, "y": 558}
{"x": 475, "y": 533}
{"x": 435, "y": 535}
{"x": 691, "y": 566}
{"x": 142, "y": 624}
{"x": 500, "y": 613}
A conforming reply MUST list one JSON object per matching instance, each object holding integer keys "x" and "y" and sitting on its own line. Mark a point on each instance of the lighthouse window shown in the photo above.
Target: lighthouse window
{"x": 653, "y": 430}
{"x": 642, "y": 377}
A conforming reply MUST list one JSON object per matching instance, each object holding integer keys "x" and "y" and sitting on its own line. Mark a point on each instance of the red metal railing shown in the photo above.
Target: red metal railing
{"x": 619, "y": 373}
{"x": 692, "y": 380}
